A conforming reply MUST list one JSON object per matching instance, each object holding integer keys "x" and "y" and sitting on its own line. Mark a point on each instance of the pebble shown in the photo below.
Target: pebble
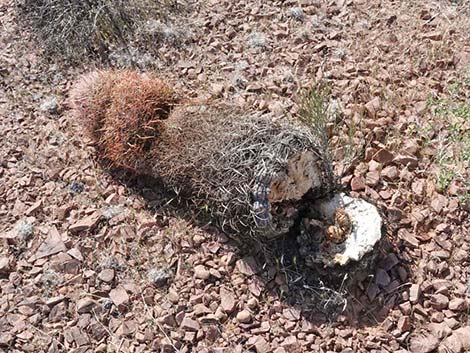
{"x": 415, "y": 293}
{"x": 457, "y": 304}
{"x": 107, "y": 275}
{"x": 50, "y": 105}
{"x": 244, "y": 317}
{"x": 440, "y": 330}
{"x": 439, "y": 301}
{"x": 390, "y": 173}
{"x": 119, "y": 296}
{"x": 382, "y": 278}
{"x": 85, "y": 305}
{"x": 5, "y": 265}
{"x": 383, "y": 156}
{"x": 190, "y": 324}
{"x": 357, "y": 184}
{"x": 372, "y": 178}
{"x": 201, "y": 272}
{"x": 252, "y": 303}
{"x": 403, "y": 324}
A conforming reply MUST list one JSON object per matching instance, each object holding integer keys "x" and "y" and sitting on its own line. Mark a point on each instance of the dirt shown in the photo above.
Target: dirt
{"x": 93, "y": 263}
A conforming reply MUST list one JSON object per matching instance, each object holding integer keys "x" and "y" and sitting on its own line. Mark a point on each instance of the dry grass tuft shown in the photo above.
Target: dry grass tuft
{"x": 122, "y": 112}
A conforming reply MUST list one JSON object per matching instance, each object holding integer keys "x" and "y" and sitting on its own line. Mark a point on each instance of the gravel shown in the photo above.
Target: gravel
{"x": 75, "y": 279}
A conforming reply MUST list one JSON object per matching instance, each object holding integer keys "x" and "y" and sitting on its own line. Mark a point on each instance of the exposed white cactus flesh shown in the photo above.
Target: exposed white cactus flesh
{"x": 364, "y": 235}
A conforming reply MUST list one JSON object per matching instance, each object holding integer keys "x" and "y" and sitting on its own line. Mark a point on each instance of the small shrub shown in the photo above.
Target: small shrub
{"x": 77, "y": 29}
{"x": 334, "y": 133}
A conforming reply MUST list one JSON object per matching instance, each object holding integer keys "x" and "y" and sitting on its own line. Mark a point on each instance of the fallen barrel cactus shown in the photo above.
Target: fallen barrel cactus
{"x": 257, "y": 178}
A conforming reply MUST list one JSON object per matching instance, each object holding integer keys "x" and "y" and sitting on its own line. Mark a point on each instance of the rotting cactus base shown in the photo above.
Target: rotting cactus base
{"x": 362, "y": 238}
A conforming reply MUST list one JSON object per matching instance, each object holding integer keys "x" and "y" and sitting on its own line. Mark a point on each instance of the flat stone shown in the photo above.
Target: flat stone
{"x": 406, "y": 160}
{"x": 190, "y": 324}
{"x": 383, "y": 156}
{"x": 119, "y": 296}
{"x": 5, "y": 265}
{"x": 247, "y": 266}
{"x": 390, "y": 262}
{"x": 439, "y": 329}
{"x": 291, "y": 314}
{"x": 227, "y": 300}
{"x": 382, "y": 278}
{"x": 201, "y": 309}
{"x": 373, "y": 106}
{"x": 457, "y": 304}
{"x": 434, "y": 35}
{"x": 85, "y": 305}
{"x": 260, "y": 344}
{"x": 52, "y": 245}
{"x": 403, "y": 324}
{"x": 280, "y": 350}
{"x": 86, "y": 223}
{"x": 390, "y": 173}
{"x": 408, "y": 238}
{"x": 33, "y": 208}
{"x": 76, "y": 254}
{"x": 451, "y": 322}
{"x": 373, "y": 178}
{"x": 439, "y": 202}
{"x": 291, "y": 343}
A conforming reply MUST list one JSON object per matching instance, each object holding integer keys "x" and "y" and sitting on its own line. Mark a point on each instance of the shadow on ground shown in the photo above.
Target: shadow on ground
{"x": 359, "y": 295}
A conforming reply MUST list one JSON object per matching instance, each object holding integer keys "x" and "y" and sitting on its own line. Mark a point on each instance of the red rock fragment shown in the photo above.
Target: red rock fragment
{"x": 373, "y": 106}
{"x": 119, "y": 296}
{"x": 357, "y": 184}
{"x": 87, "y": 223}
{"x": 403, "y": 324}
{"x": 384, "y": 156}
{"x": 439, "y": 202}
{"x": 390, "y": 173}
{"x": 247, "y": 266}
{"x": 52, "y": 245}
{"x": 227, "y": 300}
{"x": 406, "y": 160}
{"x": 34, "y": 207}
{"x": 190, "y": 324}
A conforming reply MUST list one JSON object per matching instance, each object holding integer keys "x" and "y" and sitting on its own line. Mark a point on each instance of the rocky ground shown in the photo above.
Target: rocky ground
{"x": 89, "y": 264}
